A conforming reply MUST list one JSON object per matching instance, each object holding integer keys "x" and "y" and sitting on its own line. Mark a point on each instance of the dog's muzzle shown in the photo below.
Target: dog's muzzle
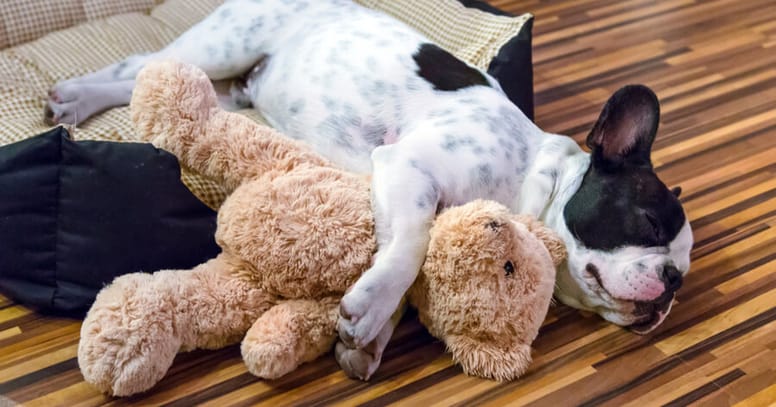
{"x": 652, "y": 313}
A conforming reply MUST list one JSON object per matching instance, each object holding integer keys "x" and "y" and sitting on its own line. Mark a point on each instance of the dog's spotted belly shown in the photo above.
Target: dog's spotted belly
{"x": 340, "y": 85}
{"x": 346, "y": 88}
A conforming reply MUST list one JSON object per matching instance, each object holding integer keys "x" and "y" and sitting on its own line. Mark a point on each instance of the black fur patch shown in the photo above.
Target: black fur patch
{"x": 631, "y": 207}
{"x": 621, "y": 201}
{"x": 443, "y": 70}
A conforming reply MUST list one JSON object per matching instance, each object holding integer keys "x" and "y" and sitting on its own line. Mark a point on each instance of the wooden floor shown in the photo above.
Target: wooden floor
{"x": 713, "y": 65}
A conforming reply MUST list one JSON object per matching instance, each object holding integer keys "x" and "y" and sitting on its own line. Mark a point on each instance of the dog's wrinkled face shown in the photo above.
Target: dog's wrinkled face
{"x": 628, "y": 238}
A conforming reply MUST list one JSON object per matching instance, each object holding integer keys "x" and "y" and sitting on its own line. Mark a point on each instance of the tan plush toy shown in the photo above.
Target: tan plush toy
{"x": 296, "y": 232}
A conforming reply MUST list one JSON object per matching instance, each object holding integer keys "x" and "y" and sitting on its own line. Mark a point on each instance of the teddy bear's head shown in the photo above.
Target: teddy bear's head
{"x": 486, "y": 286}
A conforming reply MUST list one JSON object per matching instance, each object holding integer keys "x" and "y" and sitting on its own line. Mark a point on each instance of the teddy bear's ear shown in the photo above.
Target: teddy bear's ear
{"x": 551, "y": 240}
{"x": 488, "y": 359}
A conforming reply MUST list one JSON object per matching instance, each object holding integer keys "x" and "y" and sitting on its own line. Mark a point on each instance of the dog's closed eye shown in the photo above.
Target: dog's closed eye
{"x": 653, "y": 222}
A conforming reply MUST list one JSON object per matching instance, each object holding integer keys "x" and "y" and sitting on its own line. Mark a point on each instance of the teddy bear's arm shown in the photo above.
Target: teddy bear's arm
{"x": 175, "y": 107}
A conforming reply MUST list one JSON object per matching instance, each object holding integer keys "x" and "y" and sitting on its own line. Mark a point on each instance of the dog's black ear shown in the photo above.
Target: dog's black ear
{"x": 626, "y": 128}
{"x": 676, "y": 191}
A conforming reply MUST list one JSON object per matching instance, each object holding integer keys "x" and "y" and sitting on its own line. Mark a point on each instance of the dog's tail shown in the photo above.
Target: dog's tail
{"x": 175, "y": 107}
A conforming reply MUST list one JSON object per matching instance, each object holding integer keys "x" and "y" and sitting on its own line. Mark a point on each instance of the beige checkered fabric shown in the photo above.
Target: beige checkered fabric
{"x": 26, "y": 20}
{"x": 472, "y": 35}
{"x": 115, "y": 29}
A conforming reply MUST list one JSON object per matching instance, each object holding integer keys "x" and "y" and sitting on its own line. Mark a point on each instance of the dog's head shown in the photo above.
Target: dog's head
{"x": 627, "y": 235}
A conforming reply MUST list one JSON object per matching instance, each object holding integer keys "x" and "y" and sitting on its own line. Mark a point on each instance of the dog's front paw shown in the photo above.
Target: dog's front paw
{"x": 357, "y": 363}
{"x": 363, "y": 313}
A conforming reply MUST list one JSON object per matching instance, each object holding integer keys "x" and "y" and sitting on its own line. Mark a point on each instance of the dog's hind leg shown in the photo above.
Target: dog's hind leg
{"x": 74, "y": 103}
{"x": 225, "y": 44}
{"x": 74, "y": 100}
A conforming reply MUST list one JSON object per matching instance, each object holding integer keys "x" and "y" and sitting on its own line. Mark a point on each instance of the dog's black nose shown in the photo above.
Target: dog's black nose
{"x": 672, "y": 278}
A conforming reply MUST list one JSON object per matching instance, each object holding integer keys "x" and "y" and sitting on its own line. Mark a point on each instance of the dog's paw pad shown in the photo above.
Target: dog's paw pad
{"x": 356, "y": 363}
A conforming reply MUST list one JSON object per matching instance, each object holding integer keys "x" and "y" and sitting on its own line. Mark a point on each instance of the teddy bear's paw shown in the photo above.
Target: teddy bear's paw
{"x": 357, "y": 363}
{"x": 122, "y": 365}
{"x": 126, "y": 344}
{"x": 268, "y": 360}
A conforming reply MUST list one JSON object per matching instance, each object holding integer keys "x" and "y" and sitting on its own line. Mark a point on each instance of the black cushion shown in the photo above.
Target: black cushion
{"x": 513, "y": 68}
{"x": 74, "y": 215}
{"x": 513, "y": 64}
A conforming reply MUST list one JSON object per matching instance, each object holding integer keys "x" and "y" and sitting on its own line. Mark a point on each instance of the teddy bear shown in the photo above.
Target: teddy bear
{"x": 295, "y": 233}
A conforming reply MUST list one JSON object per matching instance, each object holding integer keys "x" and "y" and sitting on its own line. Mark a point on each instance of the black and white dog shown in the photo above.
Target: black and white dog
{"x": 375, "y": 96}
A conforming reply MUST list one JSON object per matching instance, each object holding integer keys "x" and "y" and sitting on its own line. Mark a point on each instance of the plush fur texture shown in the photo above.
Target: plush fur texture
{"x": 296, "y": 232}
{"x": 464, "y": 296}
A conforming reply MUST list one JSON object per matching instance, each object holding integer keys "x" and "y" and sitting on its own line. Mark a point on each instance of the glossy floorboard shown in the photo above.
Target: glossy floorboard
{"x": 713, "y": 65}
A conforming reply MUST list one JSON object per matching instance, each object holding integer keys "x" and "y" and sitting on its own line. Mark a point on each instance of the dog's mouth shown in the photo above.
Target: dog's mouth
{"x": 655, "y": 313}
{"x": 647, "y": 326}
{"x": 649, "y": 315}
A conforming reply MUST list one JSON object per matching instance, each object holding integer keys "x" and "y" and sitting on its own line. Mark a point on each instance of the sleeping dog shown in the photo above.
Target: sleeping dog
{"x": 373, "y": 95}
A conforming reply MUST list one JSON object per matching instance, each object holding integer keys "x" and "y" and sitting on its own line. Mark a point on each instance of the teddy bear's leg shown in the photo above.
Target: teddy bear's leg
{"x": 224, "y": 146}
{"x": 140, "y": 321}
{"x": 289, "y": 334}
{"x": 219, "y": 304}
{"x": 127, "y": 338}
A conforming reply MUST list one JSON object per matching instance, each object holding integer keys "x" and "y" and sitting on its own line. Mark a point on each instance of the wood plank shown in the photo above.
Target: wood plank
{"x": 711, "y": 63}
{"x": 717, "y": 324}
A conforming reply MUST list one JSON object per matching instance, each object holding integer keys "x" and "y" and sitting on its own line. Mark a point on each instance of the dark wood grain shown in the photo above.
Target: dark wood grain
{"x": 713, "y": 66}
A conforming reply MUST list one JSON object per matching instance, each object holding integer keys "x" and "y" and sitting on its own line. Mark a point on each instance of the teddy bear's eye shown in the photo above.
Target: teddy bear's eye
{"x": 509, "y": 268}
